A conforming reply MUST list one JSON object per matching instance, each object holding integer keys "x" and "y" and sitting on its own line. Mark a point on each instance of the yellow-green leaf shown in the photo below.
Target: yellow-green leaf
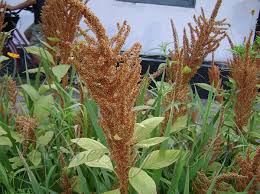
{"x": 5, "y": 141}
{"x": 86, "y": 156}
{"x": 2, "y": 131}
{"x": 35, "y": 157}
{"x": 46, "y": 138}
{"x": 103, "y": 162}
{"x": 179, "y": 124}
{"x": 117, "y": 191}
{"x": 43, "y": 106}
{"x": 89, "y": 144}
{"x": 34, "y": 95}
{"x": 60, "y": 71}
{"x": 143, "y": 130}
{"x": 160, "y": 158}
{"x": 186, "y": 70}
{"x": 151, "y": 142}
{"x": 141, "y": 181}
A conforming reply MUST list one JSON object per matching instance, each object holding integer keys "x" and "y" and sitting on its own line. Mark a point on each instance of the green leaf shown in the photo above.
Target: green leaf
{"x": 4, "y": 180}
{"x": 42, "y": 107}
{"x": 17, "y": 137}
{"x": 141, "y": 181}
{"x": 2, "y": 131}
{"x": 151, "y": 142}
{"x": 117, "y": 191}
{"x": 143, "y": 130}
{"x": 34, "y": 95}
{"x": 5, "y": 141}
{"x": 44, "y": 88}
{"x": 207, "y": 87}
{"x": 35, "y": 70}
{"x": 3, "y": 58}
{"x": 60, "y": 71}
{"x": 41, "y": 52}
{"x": 179, "y": 124}
{"x": 160, "y": 158}
{"x": 35, "y": 185}
{"x": 16, "y": 162}
{"x": 46, "y": 138}
{"x": 186, "y": 70}
{"x": 86, "y": 156}
{"x": 103, "y": 162}
{"x": 35, "y": 157}
{"x": 54, "y": 39}
{"x": 89, "y": 144}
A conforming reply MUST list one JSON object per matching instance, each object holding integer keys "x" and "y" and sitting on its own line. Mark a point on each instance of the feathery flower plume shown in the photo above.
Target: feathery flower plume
{"x": 112, "y": 80}
{"x": 205, "y": 38}
{"x": 249, "y": 169}
{"x": 12, "y": 95}
{"x": 26, "y": 127}
{"x": 244, "y": 72}
{"x": 215, "y": 80}
{"x": 65, "y": 181}
{"x": 60, "y": 19}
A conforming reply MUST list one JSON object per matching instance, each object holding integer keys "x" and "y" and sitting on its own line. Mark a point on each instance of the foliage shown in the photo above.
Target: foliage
{"x": 52, "y": 140}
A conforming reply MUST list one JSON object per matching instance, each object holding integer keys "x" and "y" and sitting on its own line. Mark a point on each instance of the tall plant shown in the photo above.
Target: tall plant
{"x": 112, "y": 80}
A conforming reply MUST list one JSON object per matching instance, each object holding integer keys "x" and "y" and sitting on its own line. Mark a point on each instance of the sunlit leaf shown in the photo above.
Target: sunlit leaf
{"x": 34, "y": 95}
{"x": 86, "y": 156}
{"x": 143, "y": 130}
{"x": 141, "y": 181}
{"x": 41, "y": 52}
{"x": 117, "y": 191}
{"x": 2, "y": 131}
{"x": 17, "y": 137}
{"x": 60, "y": 71}
{"x": 46, "y": 138}
{"x": 179, "y": 124}
{"x": 35, "y": 157}
{"x": 207, "y": 87}
{"x": 103, "y": 162}
{"x": 5, "y": 141}
{"x": 43, "y": 106}
{"x": 89, "y": 144}
{"x": 160, "y": 159}
{"x": 151, "y": 142}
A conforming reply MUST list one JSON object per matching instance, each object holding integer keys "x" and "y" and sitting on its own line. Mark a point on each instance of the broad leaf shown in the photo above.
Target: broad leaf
{"x": 151, "y": 142}
{"x": 103, "y": 162}
{"x": 5, "y": 141}
{"x": 160, "y": 158}
{"x": 35, "y": 157}
{"x": 60, "y": 71}
{"x": 89, "y": 144}
{"x": 141, "y": 181}
{"x": 16, "y": 162}
{"x": 46, "y": 138}
{"x": 117, "y": 191}
{"x": 2, "y": 131}
{"x": 207, "y": 87}
{"x": 3, "y": 58}
{"x": 144, "y": 129}
{"x": 34, "y": 95}
{"x": 41, "y": 52}
{"x": 17, "y": 137}
{"x": 86, "y": 156}
{"x": 35, "y": 70}
{"x": 42, "y": 107}
{"x": 179, "y": 124}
